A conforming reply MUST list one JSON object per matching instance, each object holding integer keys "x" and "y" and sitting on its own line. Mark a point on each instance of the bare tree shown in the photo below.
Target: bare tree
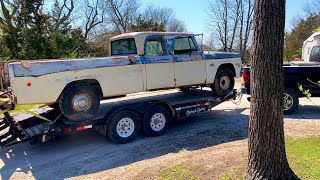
{"x": 122, "y": 13}
{"x": 231, "y": 23}
{"x": 246, "y": 19}
{"x": 161, "y": 15}
{"x": 165, "y": 16}
{"x": 94, "y": 12}
{"x": 218, "y": 14}
{"x": 176, "y": 25}
{"x": 236, "y": 12}
{"x": 267, "y": 157}
{"x": 312, "y": 7}
{"x": 61, "y": 12}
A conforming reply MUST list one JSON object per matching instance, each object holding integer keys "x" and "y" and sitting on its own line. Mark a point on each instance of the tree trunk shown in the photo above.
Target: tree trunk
{"x": 267, "y": 156}
{"x": 225, "y": 28}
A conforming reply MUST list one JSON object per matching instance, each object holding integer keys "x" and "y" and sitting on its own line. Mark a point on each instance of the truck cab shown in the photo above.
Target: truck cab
{"x": 139, "y": 61}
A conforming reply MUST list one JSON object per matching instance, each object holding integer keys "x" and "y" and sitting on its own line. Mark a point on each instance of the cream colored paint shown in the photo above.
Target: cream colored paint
{"x": 160, "y": 75}
{"x": 46, "y": 89}
{"x": 213, "y": 65}
{"x": 190, "y": 72}
{"x": 120, "y": 80}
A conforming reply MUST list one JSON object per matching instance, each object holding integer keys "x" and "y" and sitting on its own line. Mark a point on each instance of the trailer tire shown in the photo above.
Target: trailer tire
{"x": 291, "y": 101}
{"x": 155, "y": 121}
{"x": 79, "y": 102}
{"x": 123, "y": 127}
{"x": 223, "y": 82}
{"x": 185, "y": 89}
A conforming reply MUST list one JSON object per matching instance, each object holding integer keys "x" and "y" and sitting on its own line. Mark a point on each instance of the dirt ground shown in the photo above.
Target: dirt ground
{"x": 214, "y": 142}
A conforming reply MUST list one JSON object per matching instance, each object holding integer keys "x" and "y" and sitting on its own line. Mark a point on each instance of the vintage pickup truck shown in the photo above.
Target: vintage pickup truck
{"x": 140, "y": 61}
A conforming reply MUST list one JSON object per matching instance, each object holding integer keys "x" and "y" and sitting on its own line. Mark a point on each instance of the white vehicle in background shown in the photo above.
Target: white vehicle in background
{"x": 311, "y": 48}
{"x": 140, "y": 61}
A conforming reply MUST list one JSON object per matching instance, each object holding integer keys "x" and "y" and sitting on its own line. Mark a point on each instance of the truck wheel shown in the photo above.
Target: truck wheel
{"x": 123, "y": 127}
{"x": 79, "y": 102}
{"x": 156, "y": 120}
{"x": 290, "y": 101}
{"x": 223, "y": 82}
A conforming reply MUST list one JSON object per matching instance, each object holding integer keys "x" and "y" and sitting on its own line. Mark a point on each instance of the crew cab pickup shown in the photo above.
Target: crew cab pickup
{"x": 140, "y": 61}
{"x": 295, "y": 74}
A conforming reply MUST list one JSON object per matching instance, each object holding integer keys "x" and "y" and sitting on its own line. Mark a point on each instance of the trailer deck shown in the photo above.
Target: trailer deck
{"x": 25, "y": 127}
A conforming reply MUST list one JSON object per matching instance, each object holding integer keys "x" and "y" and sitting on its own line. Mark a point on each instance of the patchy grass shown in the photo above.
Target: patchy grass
{"x": 21, "y": 108}
{"x": 303, "y": 155}
{"x": 181, "y": 171}
{"x": 234, "y": 174}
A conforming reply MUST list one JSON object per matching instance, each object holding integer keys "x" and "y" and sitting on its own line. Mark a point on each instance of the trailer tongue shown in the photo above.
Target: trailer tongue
{"x": 120, "y": 119}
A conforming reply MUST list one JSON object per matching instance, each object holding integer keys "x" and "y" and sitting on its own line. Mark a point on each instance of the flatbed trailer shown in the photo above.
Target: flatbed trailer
{"x": 121, "y": 119}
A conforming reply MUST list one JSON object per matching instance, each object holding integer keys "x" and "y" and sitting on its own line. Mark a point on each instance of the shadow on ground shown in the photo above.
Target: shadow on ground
{"x": 88, "y": 152}
{"x": 307, "y": 112}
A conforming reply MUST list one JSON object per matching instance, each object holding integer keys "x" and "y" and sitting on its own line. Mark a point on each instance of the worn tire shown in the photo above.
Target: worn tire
{"x": 69, "y": 96}
{"x": 120, "y": 120}
{"x": 291, "y": 96}
{"x": 223, "y": 82}
{"x": 159, "y": 114}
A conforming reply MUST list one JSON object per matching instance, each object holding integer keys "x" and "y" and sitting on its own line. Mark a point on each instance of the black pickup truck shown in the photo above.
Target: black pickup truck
{"x": 306, "y": 74}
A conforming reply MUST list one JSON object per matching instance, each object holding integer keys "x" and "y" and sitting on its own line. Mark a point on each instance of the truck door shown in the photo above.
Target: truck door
{"x": 159, "y": 65}
{"x": 190, "y": 68}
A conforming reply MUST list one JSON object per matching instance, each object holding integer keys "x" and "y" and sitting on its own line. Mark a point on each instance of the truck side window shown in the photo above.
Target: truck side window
{"x": 315, "y": 54}
{"x": 154, "y": 46}
{"x": 184, "y": 45}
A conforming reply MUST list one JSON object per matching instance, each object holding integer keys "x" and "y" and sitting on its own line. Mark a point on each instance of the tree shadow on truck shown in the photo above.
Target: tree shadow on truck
{"x": 88, "y": 152}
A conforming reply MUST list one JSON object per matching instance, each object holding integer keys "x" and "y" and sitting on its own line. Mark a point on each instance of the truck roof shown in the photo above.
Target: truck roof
{"x": 144, "y": 34}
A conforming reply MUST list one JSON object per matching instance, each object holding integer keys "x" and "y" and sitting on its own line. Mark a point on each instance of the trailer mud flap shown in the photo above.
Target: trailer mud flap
{"x": 8, "y": 130}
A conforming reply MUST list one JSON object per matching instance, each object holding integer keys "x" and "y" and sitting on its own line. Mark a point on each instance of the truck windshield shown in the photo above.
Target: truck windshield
{"x": 315, "y": 54}
{"x": 123, "y": 46}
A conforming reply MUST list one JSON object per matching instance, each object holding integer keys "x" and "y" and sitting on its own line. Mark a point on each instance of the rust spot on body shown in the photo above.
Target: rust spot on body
{"x": 26, "y": 64}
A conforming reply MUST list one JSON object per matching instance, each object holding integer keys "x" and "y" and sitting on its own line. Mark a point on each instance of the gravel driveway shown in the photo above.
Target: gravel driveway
{"x": 214, "y": 140}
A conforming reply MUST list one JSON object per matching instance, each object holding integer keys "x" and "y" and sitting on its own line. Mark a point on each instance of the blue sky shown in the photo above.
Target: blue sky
{"x": 194, "y": 14}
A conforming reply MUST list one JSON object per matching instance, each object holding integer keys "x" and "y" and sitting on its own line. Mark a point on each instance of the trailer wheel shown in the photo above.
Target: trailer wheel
{"x": 185, "y": 89}
{"x": 290, "y": 101}
{"x": 155, "y": 121}
{"x": 123, "y": 127}
{"x": 79, "y": 102}
{"x": 223, "y": 82}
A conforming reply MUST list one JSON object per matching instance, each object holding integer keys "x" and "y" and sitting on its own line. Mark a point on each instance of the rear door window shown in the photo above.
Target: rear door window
{"x": 154, "y": 46}
{"x": 315, "y": 54}
{"x": 184, "y": 45}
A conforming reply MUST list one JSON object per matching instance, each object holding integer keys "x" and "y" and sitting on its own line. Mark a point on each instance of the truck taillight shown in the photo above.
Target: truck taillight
{"x": 245, "y": 76}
